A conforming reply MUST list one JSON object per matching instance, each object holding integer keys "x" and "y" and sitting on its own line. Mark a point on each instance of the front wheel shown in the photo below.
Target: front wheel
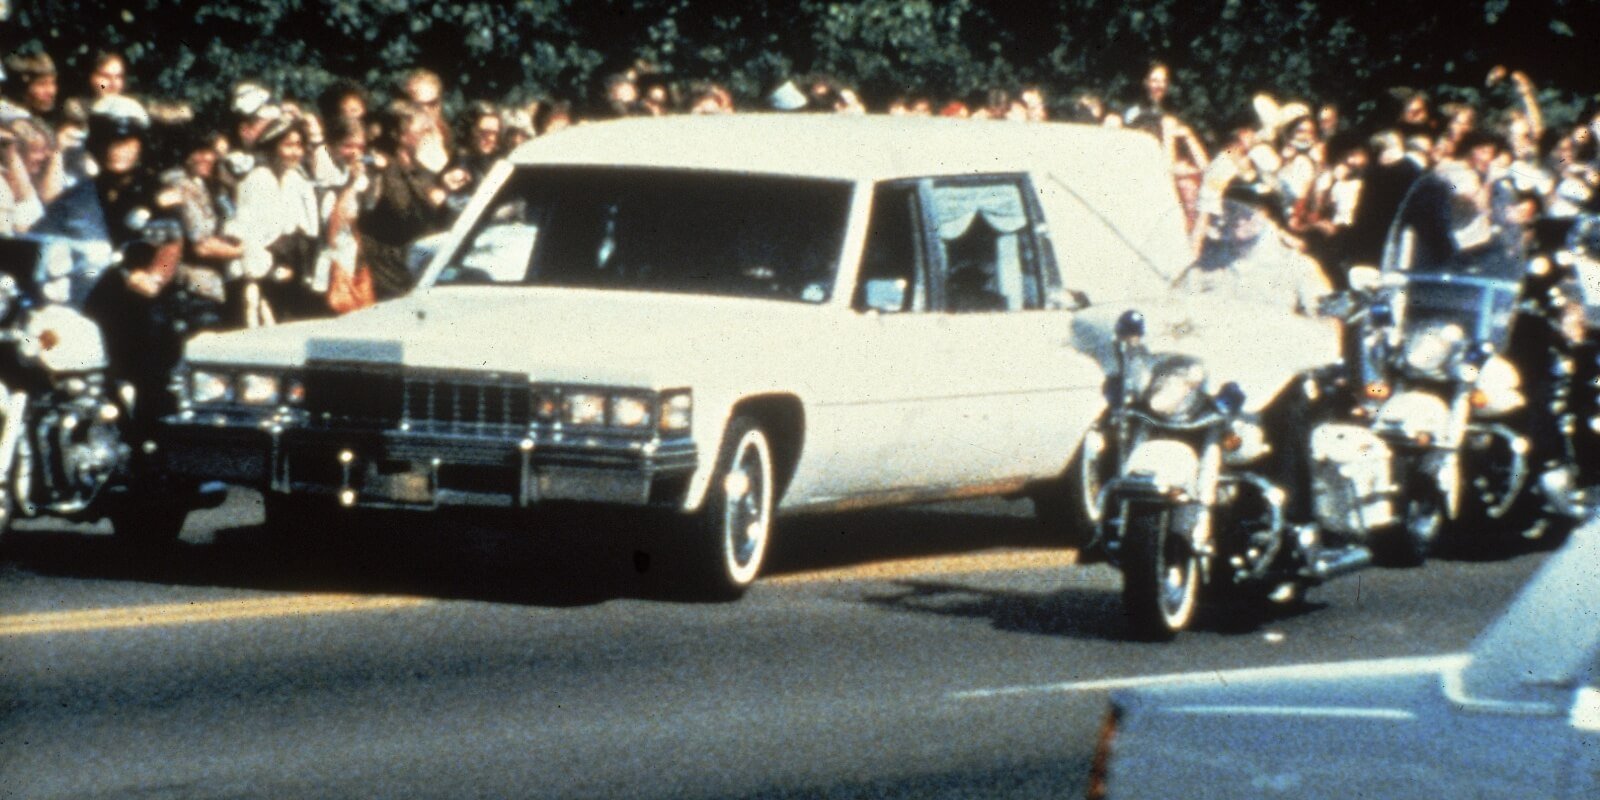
{"x": 1068, "y": 505}
{"x": 1160, "y": 575}
{"x": 726, "y": 541}
{"x": 1410, "y": 543}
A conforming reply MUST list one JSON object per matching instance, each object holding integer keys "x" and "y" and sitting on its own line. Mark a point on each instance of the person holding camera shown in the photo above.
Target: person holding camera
{"x": 409, "y": 200}
{"x": 21, "y": 198}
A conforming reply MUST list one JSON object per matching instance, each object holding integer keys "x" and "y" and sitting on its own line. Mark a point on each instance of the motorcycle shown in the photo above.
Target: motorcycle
{"x": 1423, "y": 445}
{"x": 1570, "y": 302}
{"x": 62, "y": 447}
{"x": 1196, "y": 501}
{"x": 1201, "y": 499}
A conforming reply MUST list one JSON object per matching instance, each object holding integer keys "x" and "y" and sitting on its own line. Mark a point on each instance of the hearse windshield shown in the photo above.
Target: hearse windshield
{"x": 658, "y": 230}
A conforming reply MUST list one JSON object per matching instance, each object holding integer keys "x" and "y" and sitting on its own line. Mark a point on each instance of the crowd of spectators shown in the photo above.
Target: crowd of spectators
{"x": 299, "y": 209}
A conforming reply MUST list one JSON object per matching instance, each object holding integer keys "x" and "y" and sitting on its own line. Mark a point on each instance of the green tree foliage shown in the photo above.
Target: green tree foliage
{"x": 1221, "y": 51}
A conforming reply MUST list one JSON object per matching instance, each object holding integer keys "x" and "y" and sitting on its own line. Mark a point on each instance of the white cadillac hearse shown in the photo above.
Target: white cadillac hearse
{"x": 722, "y": 317}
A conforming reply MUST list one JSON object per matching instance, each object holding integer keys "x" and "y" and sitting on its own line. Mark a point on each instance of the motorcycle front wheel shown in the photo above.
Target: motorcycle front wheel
{"x": 1160, "y": 574}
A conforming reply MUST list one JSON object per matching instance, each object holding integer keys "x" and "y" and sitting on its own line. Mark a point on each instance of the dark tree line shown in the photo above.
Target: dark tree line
{"x": 1221, "y": 51}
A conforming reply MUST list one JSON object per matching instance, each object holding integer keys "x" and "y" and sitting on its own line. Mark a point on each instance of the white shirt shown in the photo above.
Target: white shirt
{"x": 270, "y": 207}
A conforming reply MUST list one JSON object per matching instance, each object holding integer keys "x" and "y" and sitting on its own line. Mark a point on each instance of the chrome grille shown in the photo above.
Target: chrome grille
{"x": 463, "y": 403}
{"x": 341, "y": 396}
{"x": 467, "y": 403}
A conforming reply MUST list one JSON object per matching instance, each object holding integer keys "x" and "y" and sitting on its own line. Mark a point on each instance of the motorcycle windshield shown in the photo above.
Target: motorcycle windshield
{"x": 1481, "y": 308}
{"x": 1459, "y": 257}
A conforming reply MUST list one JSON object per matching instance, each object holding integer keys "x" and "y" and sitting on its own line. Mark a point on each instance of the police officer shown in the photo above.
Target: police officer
{"x": 105, "y": 209}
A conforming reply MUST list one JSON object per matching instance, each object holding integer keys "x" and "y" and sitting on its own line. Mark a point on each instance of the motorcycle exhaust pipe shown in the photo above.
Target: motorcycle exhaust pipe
{"x": 1333, "y": 562}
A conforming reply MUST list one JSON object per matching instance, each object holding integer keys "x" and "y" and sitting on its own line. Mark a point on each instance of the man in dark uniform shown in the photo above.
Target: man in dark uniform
{"x": 138, "y": 306}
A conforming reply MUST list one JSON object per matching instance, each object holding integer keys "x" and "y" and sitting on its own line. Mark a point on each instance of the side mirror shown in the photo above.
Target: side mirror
{"x": 885, "y": 295}
{"x": 1365, "y": 279}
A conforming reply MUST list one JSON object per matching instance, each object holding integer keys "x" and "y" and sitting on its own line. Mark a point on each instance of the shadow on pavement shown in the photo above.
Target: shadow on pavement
{"x": 560, "y": 558}
{"x": 1090, "y": 612}
{"x": 829, "y": 541}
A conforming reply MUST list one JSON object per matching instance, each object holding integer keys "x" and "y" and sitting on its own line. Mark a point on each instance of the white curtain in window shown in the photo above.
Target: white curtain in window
{"x": 955, "y": 207}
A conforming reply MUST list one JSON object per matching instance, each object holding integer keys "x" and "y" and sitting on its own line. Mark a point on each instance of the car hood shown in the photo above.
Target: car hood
{"x": 586, "y": 336}
{"x": 1351, "y": 686}
{"x": 1272, "y": 738}
{"x": 1357, "y": 729}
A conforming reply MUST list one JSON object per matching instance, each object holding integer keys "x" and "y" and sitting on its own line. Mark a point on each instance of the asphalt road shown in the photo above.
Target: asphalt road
{"x": 928, "y": 652}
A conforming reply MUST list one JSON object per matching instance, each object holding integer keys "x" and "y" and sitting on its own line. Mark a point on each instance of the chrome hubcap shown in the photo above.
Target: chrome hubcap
{"x": 746, "y": 519}
{"x": 1177, "y": 561}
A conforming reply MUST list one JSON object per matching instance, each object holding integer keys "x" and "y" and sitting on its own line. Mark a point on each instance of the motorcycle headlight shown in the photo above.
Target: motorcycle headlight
{"x": 209, "y": 387}
{"x": 1177, "y": 388}
{"x": 585, "y": 408}
{"x": 258, "y": 389}
{"x": 1427, "y": 351}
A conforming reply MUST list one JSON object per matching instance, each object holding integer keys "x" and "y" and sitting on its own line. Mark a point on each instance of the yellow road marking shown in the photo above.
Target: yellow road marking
{"x": 189, "y": 613}
{"x": 151, "y": 616}
{"x": 937, "y": 565}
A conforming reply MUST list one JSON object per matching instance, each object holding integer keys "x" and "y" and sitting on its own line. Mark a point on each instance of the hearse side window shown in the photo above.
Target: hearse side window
{"x": 987, "y": 246}
{"x": 659, "y": 230}
{"x": 892, "y": 271}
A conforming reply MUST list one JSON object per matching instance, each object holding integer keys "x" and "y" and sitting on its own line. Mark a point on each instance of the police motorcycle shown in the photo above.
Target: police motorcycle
{"x": 62, "y": 419}
{"x": 1425, "y": 446}
{"x": 1557, "y": 339}
{"x": 1201, "y": 497}
{"x": 1582, "y": 256}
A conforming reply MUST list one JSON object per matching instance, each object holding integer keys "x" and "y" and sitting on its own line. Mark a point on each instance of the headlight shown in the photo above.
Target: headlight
{"x": 630, "y": 411}
{"x": 676, "y": 412}
{"x": 257, "y": 389}
{"x": 208, "y": 387}
{"x": 1428, "y": 350}
{"x": 1176, "y": 388}
{"x": 546, "y": 405}
{"x": 585, "y": 408}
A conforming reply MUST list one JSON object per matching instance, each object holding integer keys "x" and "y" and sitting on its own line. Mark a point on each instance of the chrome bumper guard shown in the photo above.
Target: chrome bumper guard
{"x": 418, "y": 469}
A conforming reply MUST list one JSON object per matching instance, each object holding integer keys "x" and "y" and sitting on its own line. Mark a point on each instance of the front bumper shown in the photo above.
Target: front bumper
{"x": 419, "y": 469}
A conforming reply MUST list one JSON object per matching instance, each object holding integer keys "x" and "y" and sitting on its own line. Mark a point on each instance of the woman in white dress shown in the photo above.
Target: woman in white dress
{"x": 278, "y": 224}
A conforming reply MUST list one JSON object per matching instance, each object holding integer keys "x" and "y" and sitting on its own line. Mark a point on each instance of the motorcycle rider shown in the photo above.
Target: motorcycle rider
{"x": 138, "y": 306}
{"x": 1249, "y": 255}
{"x": 1547, "y": 342}
{"x": 100, "y": 215}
